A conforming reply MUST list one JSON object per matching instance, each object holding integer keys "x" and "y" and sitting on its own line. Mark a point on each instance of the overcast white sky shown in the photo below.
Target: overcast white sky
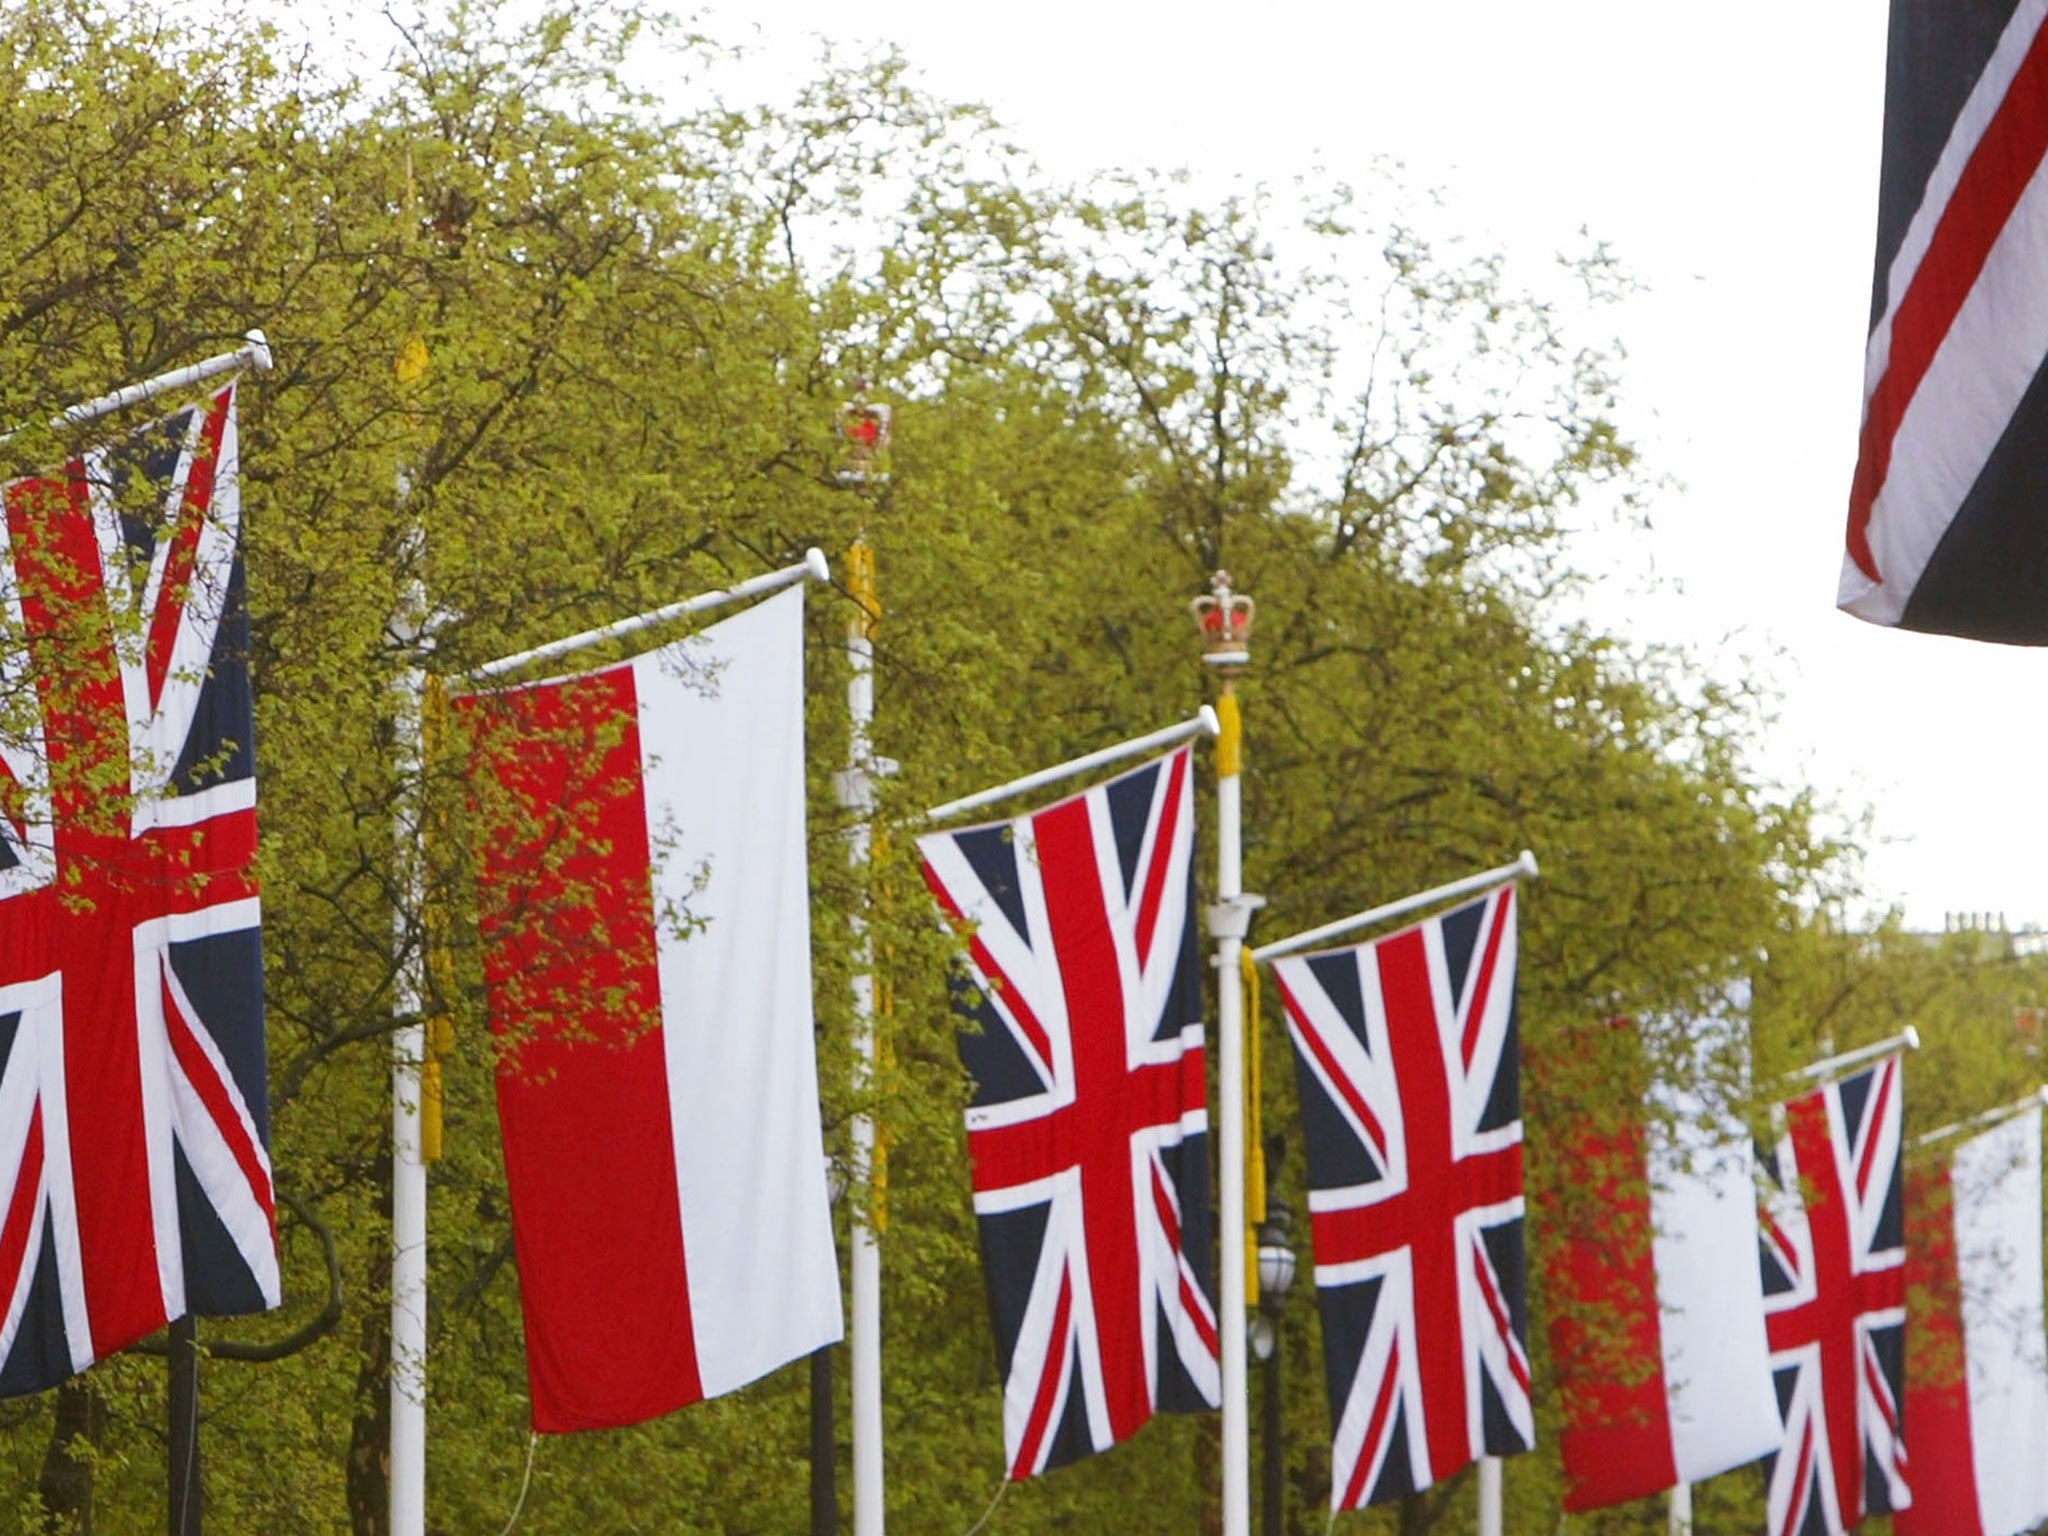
{"x": 1729, "y": 154}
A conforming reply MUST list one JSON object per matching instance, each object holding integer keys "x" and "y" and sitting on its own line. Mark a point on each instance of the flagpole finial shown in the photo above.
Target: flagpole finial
{"x": 1225, "y": 618}
{"x": 864, "y": 434}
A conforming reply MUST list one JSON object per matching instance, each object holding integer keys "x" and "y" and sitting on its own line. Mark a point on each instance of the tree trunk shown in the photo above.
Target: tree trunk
{"x": 1420, "y": 1512}
{"x": 65, "y": 1486}
{"x": 369, "y": 1440}
{"x": 1209, "y": 1473}
{"x": 368, "y": 1474}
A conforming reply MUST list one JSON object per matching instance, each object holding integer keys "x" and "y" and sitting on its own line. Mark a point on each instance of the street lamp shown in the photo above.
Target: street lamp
{"x": 1276, "y": 1276}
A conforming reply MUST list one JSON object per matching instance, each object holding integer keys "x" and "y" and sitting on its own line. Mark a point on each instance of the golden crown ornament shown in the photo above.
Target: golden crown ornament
{"x": 1225, "y": 618}
{"x": 864, "y": 433}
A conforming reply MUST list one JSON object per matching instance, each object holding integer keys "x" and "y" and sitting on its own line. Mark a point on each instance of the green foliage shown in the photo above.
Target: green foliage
{"x": 637, "y": 328}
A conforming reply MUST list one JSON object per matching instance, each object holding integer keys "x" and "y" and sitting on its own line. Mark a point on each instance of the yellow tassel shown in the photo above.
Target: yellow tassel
{"x": 411, "y": 363}
{"x": 1230, "y": 740}
{"x": 861, "y": 585}
{"x": 1254, "y": 1130}
{"x": 431, "y": 1118}
{"x": 440, "y": 955}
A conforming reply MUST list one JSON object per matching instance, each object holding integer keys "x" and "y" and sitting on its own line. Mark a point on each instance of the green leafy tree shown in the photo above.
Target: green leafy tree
{"x": 552, "y": 352}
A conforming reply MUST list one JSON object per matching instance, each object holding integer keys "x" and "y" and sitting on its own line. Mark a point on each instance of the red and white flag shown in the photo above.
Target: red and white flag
{"x": 645, "y": 909}
{"x": 1977, "y": 1355}
{"x": 1658, "y": 1341}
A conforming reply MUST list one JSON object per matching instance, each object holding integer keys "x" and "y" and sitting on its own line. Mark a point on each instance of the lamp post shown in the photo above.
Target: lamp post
{"x": 1276, "y": 1276}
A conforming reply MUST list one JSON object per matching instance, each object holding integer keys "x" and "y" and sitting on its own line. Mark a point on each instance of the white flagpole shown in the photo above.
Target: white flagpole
{"x": 857, "y": 793}
{"x": 1226, "y": 618}
{"x": 1985, "y": 1121}
{"x": 1908, "y": 1039}
{"x": 1203, "y": 723}
{"x": 813, "y": 566}
{"x": 408, "y": 1475}
{"x": 1484, "y": 880}
{"x": 1229, "y": 921}
{"x": 866, "y": 432}
{"x": 1681, "y": 1510}
{"x": 1489, "y": 1496}
{"x": 253, "y": 353}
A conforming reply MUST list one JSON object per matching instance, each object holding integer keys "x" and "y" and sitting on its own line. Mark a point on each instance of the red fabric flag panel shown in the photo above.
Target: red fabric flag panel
{"x": 1408, "y": 1061}
{"x": 1657, "y": 1332}
{"x": 135, "y": 1182}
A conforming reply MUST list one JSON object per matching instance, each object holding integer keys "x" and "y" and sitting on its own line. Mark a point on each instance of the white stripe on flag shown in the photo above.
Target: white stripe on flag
{"x": 722, "y": 764}
{"x": 1997, "y": 1183}
{"x": 1717, "y": 1359}
{"x": 1982, "y": 370}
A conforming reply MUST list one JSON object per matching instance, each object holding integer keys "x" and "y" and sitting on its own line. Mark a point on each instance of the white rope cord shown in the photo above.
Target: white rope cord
{"x": 975, "y": 1529}
{"x": 532, "y": 1442}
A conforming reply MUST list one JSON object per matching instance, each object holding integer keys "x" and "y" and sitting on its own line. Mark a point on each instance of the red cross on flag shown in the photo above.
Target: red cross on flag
{"x": 1089, "y": 1124}
{"x": 1407, "y": 1058}
{"x": 1834, "y": 1266}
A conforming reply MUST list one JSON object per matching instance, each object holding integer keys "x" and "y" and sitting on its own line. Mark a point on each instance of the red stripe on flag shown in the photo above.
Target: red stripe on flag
{"x": 1049, "y": 1381}
{"x": 1375, "y": 1428}
{"x": 1873, "y": 1126}
{"x": 571, "y": 966}
{"x": 1333, "y": 1075}
{"x": 1162, "y": 854}
{"x": 1011, "y": 995}
{"x": 1606, "y": 1340}
{"x": 1475, "y": 1015}
{"x": 182, "y": 559}
{"x": 1802, "y": 1484}
{"x": 221, "y": 1109}
{"x": 1192, "y": 1301}
{"x": 1502, "y": 1323}
{"x": 1945, "y": 1501}
{"x": 1788, "y": 1254}
{"x": 2004, "y": 162}
{"x": 21, "y": 1210}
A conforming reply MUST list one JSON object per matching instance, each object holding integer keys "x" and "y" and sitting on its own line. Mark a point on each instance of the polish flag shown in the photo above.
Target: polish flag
{"x": 644, "y": 901}
{"x": 1977, "y": 1352}
{"x": 1657, "y": 1334}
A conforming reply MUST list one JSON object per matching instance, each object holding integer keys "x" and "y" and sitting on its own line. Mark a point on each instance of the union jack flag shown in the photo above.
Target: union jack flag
{"x": 1089, "y": 1124}
{"x": 1408, "y": 1059}
{"x": 1945, "y": 532}
{"x": 1834, "y": 1264}
{"x": 134, "y": 1173}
